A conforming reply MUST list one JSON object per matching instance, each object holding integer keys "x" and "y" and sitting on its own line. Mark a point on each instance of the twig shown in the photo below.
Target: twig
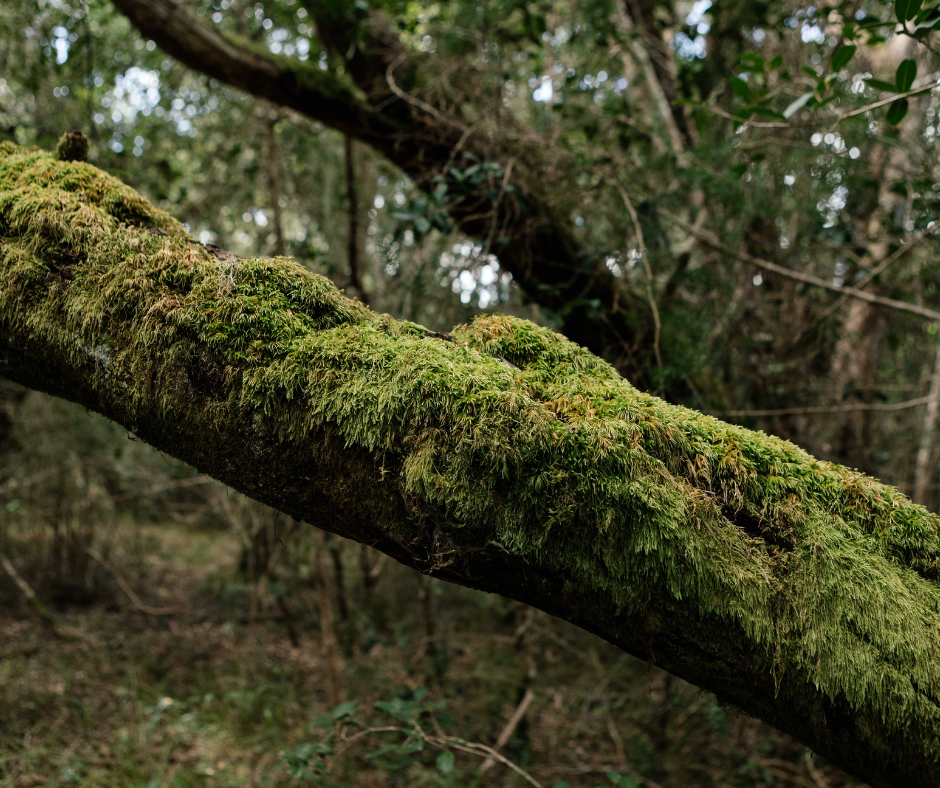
{"x": 443, "y": 743}
{"x": 880, "y": 268}
{"x": 135, "y": 600}
{"x": 499, "y": 199}
{"x": 851, "y": 407}
{"x": 510, "y": 728}
{"x": 657, "y": 327}
{"x": 560, "y": 641}
{"x": 475, "y": 748}
{"x": 193, "y": 481}
{"x": 416, "y": 101}
{"x": 851, "y": 292}
{"x": 617, "y": 739}
{"x": 47, "y": 619}
{"x": 814, "y": 773}
{"x": 760, "y": 124}
{"x": 273, "y": 182}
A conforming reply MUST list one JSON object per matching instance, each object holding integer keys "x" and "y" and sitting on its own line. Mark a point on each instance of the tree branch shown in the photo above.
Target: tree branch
{"x": 536, "y": 243}
{"x": 851, "y": 292}
{"x": 802, "y": 592}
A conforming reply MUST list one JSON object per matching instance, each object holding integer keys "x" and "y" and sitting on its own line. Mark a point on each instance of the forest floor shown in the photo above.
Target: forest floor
{"x": 213, "y": 692}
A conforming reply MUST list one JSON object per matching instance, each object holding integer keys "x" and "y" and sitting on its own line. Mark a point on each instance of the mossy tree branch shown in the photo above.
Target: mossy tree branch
{"x": 504, "y": 458}
{"x": 370, "y": 101}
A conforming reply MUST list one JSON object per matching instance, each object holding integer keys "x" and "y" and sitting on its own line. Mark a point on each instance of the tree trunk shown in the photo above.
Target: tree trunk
{"x": 924, "y": 467}
{"x": 501, "y": 457}
{"x": 274, "y": 189}
{"x": 352, "y": 236}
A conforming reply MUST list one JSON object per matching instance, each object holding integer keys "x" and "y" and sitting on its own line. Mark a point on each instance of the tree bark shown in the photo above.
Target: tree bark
{"x": 502, "y": 457}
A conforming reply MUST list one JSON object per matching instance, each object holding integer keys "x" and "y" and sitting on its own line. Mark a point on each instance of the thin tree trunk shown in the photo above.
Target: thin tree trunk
{"x": 45, "y": 617}
{"x": 328, "y": 639}
{"x": 435, "y": 650}
{"x": 339, "y": 575}
{"x": 274, "y": 187}
{"x": 923, "y": 472}
{"x": 365, "y": 567}
{"x": 352, "y": 240}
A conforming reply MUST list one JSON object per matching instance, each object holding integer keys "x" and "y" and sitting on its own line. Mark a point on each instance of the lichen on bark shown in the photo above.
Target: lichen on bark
{"x": 503, "y": 456}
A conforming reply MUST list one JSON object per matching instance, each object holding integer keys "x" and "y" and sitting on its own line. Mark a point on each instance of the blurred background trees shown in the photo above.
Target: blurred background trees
{"x": 664, "y": 150}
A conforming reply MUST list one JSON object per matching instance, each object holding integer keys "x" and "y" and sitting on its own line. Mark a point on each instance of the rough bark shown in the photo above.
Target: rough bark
{"x": 370, "y": 102}
{"x": 502, "y": 457}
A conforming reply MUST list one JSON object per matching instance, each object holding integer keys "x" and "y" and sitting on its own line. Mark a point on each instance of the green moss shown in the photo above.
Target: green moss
{"x": 552, "y": 455}
{"x": 327, "y": 83}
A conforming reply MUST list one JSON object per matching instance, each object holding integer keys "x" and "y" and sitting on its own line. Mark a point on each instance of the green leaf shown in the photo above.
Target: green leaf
{"x": 409, "y": 748}
{"x": 797, "y": 105}
{"x": 842, "y": 57}
{"x": 765, "y": 112}
{"x": 926, "y": 12}
{"x": 809, "y": 71}
{"x": 906, "y": 9}
{"x": 927, "y": 20}
{"x": 777, "y": 62}
{"x": 422, "y": 225}
{"x": 404, "y": 710}
{"x": 318, "y": 721}
{"x": 905, "y": 75}
{"x": 880, "y": 84}
{"x": 445, "y": 762}
{"x": 344, "y": 709}
{"x": 439, "y": 221}
{"x": 896, "y": 112}
{"x": 740, "y": 88}
{"x": 752, "y": 62}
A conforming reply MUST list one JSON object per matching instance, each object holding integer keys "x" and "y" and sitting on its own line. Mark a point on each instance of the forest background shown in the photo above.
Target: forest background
{"x": 746, "y": 213}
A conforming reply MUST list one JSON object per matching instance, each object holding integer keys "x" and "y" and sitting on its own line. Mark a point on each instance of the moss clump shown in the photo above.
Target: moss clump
{"x": 73, "y": 146}
{"x": 640, "y": 505}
